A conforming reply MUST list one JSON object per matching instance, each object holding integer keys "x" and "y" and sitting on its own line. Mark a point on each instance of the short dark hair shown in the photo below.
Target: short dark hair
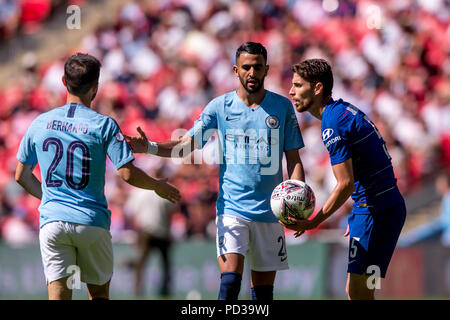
{"x": 252, "y": 48}
{"x": 81, "y": 72}
{"x": 314, "y": 71}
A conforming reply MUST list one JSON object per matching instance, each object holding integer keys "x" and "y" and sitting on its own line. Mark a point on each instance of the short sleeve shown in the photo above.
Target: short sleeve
{"x": 205, "y": 126}
{"x": 292, "y": 135}
{"x": 335, "y": 138}
{"x": 118, "y": 150}
{"x": 27, "y": 149}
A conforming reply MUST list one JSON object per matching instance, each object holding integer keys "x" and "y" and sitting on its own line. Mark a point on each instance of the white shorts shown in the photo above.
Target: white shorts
{"x": 65, "y": 245}
{"x": 263, "y": 241}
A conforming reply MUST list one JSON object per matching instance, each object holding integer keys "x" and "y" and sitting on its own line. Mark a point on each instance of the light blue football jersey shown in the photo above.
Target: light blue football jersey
{"x": 252, "y": 142}
{"x": 70, "y": 143}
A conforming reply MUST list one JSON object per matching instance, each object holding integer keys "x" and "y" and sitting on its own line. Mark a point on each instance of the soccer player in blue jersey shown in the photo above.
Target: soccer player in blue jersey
{"x": 71, "y": 143}
{"x": 363, "y": 170}
{"x": 255, "y": 128}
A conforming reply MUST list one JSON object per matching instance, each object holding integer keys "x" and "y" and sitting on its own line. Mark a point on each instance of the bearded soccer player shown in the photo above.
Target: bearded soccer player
{"x": 71, "y": 143}
{"x": 255, "y": 127}
{"x": 363, "y": 170}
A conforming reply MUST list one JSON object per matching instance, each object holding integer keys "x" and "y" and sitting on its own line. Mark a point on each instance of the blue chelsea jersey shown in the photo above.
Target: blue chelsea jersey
{"x": 348, "y": 133}
{"x": 71, "y": 143}
{"x": 251, "y": 142}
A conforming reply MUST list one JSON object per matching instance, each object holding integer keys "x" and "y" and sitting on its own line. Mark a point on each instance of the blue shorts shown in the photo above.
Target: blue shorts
{"x": 374, "y": 232}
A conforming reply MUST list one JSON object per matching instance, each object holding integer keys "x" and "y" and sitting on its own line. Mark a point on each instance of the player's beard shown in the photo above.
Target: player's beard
{"x": 304, "y": 107}
{"x": 260, "y": 84}
{"x": 305, "y": 102}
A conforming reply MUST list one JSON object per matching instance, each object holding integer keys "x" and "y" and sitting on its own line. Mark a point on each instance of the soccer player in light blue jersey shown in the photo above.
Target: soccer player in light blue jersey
{"x": 71, "y": 143}
{"x": 255, "y": 128}
{"x": 363, "y": 170}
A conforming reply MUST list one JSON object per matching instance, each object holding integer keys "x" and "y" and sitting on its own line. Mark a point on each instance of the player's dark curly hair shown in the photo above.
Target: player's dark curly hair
{"x": 252, "y": 48}
{"x": 81, "y": 72}
{"x": 314, "y": 71}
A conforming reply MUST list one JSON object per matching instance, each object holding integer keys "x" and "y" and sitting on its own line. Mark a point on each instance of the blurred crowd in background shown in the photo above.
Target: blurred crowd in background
{"x": 163, "y": 61}
{"x": 28, "y": 16}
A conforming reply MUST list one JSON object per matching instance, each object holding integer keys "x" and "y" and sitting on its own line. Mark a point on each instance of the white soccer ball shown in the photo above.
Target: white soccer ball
{"x": 292, "y": 198}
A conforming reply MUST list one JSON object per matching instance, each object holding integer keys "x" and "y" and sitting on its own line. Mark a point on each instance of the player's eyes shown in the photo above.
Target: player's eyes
{"x": 247, "y": 67}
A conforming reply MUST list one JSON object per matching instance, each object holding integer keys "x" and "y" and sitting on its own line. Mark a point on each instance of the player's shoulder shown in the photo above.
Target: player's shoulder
{"x": 47, "y": 115}
{"x": 339, "y": 111}
{"x": 90, "y": 113}
{"x": 93, "y": 117}
{"x": 100, "y": 117}
{"x": 107, "y": 122}
{"x": 227, "y": 98}
{"x": 81, "y": 113}
{"x": 106, "y": 126}
{"x": 53, "y": 111}
{"x": 221, "y": 100}
{"x": 97, "y": 120}
{"x": 334, "y": 107}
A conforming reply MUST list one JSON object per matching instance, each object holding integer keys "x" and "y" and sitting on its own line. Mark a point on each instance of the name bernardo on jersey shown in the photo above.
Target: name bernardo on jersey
{"x": 67, "y": 126}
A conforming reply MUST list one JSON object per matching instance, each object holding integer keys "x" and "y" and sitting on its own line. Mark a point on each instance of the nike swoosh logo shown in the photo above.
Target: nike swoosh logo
{"x": 231, "y": 119}
{"x": 351, "y": 261}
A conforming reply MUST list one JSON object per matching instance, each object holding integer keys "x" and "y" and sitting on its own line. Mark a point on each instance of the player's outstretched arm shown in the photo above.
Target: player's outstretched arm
{"x": 343, "y": 189}
{"x": 25, "y": 177}
{"x": 138, "y": 178}
{"x": 168, "y": 149}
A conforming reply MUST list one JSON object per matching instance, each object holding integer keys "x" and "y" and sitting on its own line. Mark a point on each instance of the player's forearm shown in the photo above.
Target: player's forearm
{"x": 169, "y": 149}
{"x": 296, "y": 171}
{"x": 31, "y": 184}
{"x": 337, "y": 198}
{"x": 173, "y": 148}
{"x": 294, "y": 165}
{"x": 137, "y": 178}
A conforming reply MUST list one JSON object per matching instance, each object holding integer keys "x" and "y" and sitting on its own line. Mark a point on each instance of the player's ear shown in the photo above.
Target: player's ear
{"x": 64, "y": 81}
{"x": 94, "y": 91}
{"x": 267, "y": 69}
{"x": 318, "y": 88}
{"x": 235, "y": 70}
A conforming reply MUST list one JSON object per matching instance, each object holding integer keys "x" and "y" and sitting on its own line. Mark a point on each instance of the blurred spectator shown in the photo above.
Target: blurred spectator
{"x": 33, "y": 12}
{"x": 152, "y": 218}
{"x": 28, "y": 16}
{"x": 9, "y": 18}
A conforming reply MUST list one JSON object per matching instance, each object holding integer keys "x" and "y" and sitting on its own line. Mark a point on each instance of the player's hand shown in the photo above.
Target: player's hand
{"x": 300, "y": 225}
{"x": 138, "y": 144}
{"x": 167, "y": 191}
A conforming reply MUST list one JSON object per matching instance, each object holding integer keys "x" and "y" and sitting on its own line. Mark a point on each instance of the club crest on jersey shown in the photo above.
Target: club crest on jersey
{"x": 327, "y": 133}
{"x": 272, "y": 122}
{"x": 119, "y": 137}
